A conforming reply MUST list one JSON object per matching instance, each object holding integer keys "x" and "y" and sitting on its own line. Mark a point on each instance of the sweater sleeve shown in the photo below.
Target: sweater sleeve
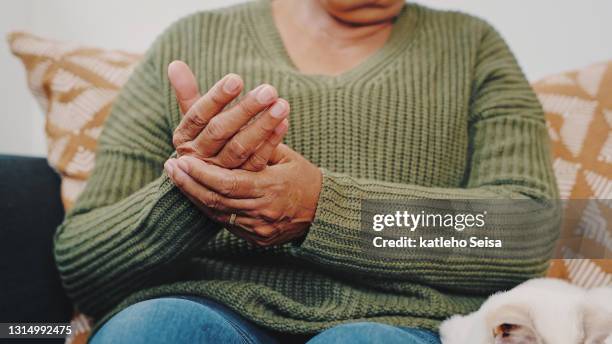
{"x": 508, "y": 159}
{"x": 131, "y": 226}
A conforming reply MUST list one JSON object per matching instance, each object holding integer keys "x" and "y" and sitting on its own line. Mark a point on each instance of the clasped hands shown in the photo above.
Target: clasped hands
{"x": 230, "y": 160}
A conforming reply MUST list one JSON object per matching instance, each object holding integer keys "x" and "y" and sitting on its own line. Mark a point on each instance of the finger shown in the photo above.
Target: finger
{"x": 208, "y": 198}
{"x": 243, "y": 234}
{"x": 184, "y": 84}
{"x": 206, "y": 107}
{"x": 251, "y": 229}
{"x": 245, "y": 143}
{"x": 229, "y": 183}
{"x": 242, "y": 223}
{"x": 225, "y": 125}
{"x": 242, "y": 226}
{"x": 259, "y": 160}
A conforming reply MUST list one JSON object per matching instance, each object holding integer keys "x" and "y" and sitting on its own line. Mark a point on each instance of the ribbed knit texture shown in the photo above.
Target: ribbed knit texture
{"x": 442, "y": 111}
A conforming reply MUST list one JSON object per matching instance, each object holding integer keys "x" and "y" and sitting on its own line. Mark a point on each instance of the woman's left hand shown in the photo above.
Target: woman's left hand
{"x": 271, "y": 206}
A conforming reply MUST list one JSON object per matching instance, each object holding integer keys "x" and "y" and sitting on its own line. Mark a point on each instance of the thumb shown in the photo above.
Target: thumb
{"x": 184, "y": 84}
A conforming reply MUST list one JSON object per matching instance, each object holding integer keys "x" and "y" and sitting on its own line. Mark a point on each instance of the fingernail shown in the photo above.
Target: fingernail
{"x": 256, "y": 89}
{"x": 265, "y": 95}
{"x": 183, "y": 165}
{"x": 278, "y": 110}
{"x": 231, "y": 84}
{"x": 168, "y": 166}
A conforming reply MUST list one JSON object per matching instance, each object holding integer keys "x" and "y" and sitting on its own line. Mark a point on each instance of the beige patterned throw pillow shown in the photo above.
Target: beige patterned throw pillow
{"x": 578, "y": 108}
{"x": 75, "y": 86}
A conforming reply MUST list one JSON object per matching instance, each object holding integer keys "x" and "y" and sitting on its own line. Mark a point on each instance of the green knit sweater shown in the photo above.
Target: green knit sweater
{"x": 442, "y": 111}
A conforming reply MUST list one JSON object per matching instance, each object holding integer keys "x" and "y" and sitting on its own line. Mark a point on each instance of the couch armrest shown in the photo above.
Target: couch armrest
{"x": 30, "y": 211}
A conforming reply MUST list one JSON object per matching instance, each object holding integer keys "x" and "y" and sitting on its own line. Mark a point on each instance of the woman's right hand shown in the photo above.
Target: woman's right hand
{"x": 229, "y": 137}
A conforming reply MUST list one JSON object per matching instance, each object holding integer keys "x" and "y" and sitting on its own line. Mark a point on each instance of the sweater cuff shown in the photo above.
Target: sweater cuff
{"x": 335, "y": 230}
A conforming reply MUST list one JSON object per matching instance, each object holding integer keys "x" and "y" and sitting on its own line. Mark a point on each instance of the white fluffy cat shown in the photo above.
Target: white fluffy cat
{"x": 539, "y": 311}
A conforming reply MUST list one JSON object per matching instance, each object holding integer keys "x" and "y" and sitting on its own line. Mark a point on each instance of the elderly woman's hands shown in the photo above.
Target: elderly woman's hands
{"x": 227, "y": 137}
{"x": 223, "y": 160}
{"x": 273, "y": 206}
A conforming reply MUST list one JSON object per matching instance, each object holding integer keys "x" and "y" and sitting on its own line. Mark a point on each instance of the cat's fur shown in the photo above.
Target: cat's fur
{"x": 539, "y": 311}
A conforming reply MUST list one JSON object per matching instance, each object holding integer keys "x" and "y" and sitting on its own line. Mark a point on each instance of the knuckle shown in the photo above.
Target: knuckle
{"x": 177, "y": 139}
{"x": 195, "y": 121}
{"x": 271, "y": 214}
{"x": 185, "y": 149}
{"x": 258, "y": 161}
{"x": 264, "y": 130}
{"x": 214, "y": 130}
{"x": 248, "y": 166}
{"x": 237, "y": 150}
{"x": 229, "y": 186}
{"x": 212, "y": 201}
{"x": 212, "y": 160}
{"x": 181, "y": 151}
{"x": 247, "y": 105}
{"x": 216, "y": 97}
{"x": 179, "y": 182}
{"x": 267, "y": 232}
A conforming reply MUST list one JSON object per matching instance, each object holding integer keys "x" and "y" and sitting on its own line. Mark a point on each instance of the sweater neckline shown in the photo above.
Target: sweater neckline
{"x": 269, "y": 43}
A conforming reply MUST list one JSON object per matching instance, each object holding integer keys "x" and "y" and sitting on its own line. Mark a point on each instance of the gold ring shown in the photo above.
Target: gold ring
{"x": 232, "y": 219}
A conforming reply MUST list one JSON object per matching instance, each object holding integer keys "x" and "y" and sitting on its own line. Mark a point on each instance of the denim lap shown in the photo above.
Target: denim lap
{"x": 370, "y": 332}
{"x": 179, "y": 320}
{"x": 197, "y": 320}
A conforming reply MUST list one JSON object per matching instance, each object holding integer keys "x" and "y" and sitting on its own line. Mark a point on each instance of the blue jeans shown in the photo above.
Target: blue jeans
{"x": 196, "y": 320}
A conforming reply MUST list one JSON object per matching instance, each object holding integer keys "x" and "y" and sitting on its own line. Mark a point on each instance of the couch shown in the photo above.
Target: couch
{"x": 30, "y": 211}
